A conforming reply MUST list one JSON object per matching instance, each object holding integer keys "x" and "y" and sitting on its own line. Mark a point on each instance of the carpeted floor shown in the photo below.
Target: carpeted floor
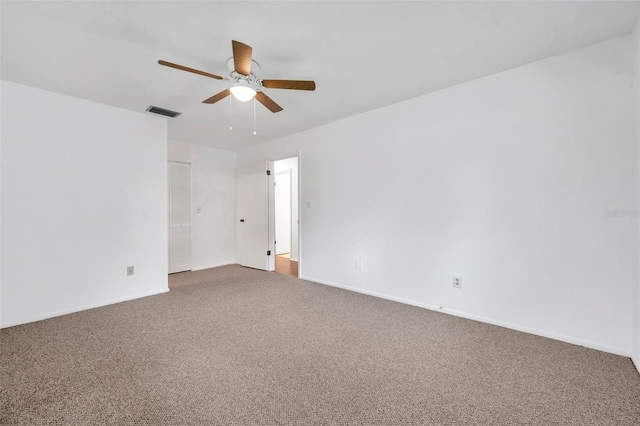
{"x": 240, "y": 346}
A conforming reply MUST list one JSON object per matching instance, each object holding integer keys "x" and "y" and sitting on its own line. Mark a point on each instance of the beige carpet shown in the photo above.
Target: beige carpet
{"x": 247, "y": 347}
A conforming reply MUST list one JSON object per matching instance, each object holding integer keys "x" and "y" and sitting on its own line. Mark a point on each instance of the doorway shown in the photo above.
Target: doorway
{"x": 286, "y": 216}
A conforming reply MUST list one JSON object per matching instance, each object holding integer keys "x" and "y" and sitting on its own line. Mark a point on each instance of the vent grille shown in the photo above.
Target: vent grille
{"x": 162, "y": 111}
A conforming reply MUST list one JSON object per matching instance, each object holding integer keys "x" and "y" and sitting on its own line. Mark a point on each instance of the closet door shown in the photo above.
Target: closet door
{"x": 179, "y": 217}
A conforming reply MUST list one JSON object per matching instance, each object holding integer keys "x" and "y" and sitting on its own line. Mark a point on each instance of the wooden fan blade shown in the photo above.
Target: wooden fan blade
{"x": 268, "y": 102}
{"x": 289, "y": 84}
{"x": 215, "y": 98}
{"x": 183, "y": 68}
{"x": 241, "y": 57}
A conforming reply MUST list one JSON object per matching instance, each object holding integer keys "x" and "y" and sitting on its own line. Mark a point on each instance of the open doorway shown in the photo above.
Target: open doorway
{"x": 286, "y": 216}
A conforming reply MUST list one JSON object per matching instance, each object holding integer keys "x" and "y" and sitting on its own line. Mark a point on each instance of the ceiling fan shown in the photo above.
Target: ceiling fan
{"x": 246, "y": 85}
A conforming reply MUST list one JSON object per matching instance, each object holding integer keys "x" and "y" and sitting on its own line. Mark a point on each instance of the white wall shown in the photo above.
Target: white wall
{"x": 0, "y": 204}
{"x": 84, "y": 195}
{"x": 503, "y": 180}
{"x": 281, "y": 166}
{"x": 213, "y": 190}
{"x": 636, "y": 278}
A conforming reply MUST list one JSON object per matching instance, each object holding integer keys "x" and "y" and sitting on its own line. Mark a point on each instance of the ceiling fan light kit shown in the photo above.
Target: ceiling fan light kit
{"x": 247, "y": 85}
{"x": 242, "y": 93}
{"x": 243, "y": 73}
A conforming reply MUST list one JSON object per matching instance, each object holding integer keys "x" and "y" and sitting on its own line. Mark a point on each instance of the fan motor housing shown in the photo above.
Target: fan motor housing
{"x": 250, "y": 80}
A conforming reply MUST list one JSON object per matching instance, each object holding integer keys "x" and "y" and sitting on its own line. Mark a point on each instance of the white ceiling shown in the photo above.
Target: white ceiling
{"x": 362, "y": 55}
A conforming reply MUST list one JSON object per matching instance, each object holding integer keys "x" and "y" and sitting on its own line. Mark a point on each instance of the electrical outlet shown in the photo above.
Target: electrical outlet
{"x": 359, "y": 264}
{"x": 129, "y": 270}
{"x": 198, "y": 209}
{"x": 457, "y": 282}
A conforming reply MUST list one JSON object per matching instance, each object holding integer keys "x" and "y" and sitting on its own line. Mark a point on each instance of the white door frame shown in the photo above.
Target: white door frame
{"x": 271, "y": 260}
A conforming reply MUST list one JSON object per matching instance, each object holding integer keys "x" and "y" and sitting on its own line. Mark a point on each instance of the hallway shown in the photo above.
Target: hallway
{"x": 286, "y": 266}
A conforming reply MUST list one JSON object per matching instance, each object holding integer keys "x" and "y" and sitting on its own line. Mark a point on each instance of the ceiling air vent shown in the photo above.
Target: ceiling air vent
{"x": 162, "y": 111}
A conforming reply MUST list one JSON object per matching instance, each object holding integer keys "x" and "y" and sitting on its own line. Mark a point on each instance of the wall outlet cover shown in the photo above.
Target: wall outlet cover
{"x": 457, "y": 282}
{"x": 129, "y": 270}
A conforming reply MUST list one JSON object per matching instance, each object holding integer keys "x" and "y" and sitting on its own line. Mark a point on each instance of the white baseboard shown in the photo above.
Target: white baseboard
{"x": 550, "y": 335}
{"x": 636, "y": 362}
{"x": 295, "y": 259}
{"x": 81, "y": 308}
{"x": 372, "y": 293}
{"x": 200, "y": 268}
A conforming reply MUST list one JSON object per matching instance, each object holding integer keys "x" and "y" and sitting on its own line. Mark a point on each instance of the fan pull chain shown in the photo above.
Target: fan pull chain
{"x": 230, "y": 112}
{"x": 254, "y": 116}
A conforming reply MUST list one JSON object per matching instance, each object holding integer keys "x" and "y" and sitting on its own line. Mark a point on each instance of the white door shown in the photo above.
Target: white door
{"x": 283, "y": 212}
{"x": 179, "y": 217}
{"x": 254, "y": 232}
